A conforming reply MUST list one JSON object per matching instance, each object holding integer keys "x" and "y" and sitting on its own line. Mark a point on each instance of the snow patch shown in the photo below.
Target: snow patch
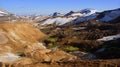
{"x": 2, "y": 13}
{"x": 108, "y": 38}
{"x": 82, "y": 13}
{"x": 88, "y": 11}
{"x": 58, "y": 20}
{"x": 76, "y": 14}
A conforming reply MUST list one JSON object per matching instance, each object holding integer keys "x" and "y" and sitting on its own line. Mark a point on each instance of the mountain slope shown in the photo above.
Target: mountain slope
{"x": 3, "y": 12}
{"x": 82, "y": 13}
{"x": 57, "y": 14}
{"x": 20, "y": 41}
{"x": 58, "y": 20}
{"x": 17, "y": 35}
{"x": 73, "y": 13}
{"x": 87, "y": 18}
{"x": 109, "y": 16}
{"x": 88, "y": 11}
{"x": 7, "y": 17}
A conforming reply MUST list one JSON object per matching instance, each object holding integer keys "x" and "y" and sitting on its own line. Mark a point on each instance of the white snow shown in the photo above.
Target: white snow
{"x": 39, "y": 18}
{"x": 76, "y": 14}
{"x": 2, "y": 13}
{"x": 108, "y": 38}
{"x": 93, "y": 16}
{"x": 9, "y": 58}
{"x": 86, "y": 14}
{"x": 58, "y": 20}
{"x": 110, "y": 16}
{"x": 88, "y": 11}
{"x": 82, "y": 13}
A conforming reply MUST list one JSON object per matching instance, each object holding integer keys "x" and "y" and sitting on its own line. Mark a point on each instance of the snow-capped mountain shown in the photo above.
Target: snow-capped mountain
{"x": 73, "y": 13}
{"x": 5, "y": 16}
{"x": 87, "y": 18}
{"x": 69, "y": 13}
{"x": 88, "y": 11}
{"x": 82, "y": 13}
{"x": 3, "y": 12}
{"x": 40, "y": 17}
{"x": 110, "y": 15}
{"x": 61, "y": 19}
{"x": 87, "y": 14}
{"x": 58, "y": 20}
{"x": 83, "y": 16}
{"x": 106, "y": 16}
{"x": 57, "y": 14}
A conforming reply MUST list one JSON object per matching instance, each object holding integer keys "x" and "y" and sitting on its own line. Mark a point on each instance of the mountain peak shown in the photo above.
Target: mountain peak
{"x": 57, "y": 14}
{"x": 3, "y": 12}
{"x": 89, "y": 11}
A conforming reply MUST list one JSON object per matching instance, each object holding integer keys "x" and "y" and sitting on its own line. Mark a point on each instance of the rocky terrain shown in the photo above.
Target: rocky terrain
{"x": 85, "y": 38}
{"x": 20, "y": 44}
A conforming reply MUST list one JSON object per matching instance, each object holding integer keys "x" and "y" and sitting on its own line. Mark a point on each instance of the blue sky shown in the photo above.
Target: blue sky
{"x": 50, "y": 6}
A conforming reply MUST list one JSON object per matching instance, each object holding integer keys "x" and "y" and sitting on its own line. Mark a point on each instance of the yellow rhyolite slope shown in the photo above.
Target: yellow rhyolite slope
{"x": 14, "y": 37}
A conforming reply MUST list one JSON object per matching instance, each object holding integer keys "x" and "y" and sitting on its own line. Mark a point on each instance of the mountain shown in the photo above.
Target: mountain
{"x": 3, "y": 12}
{"x": 87, "y": 18}
{"x": 77, "y": 37}
{"x": 60, "y": 19}
{"x": 6, "y": 16}
{"x": 57, "y": 14}
{"x": 88, "y": 11}
{"x": 14, "y": 37}
{"x": 21, "y": 43}
{"x": 82, "y": 13}
{"x": 73, "y": 13}
{"x": 116, "y": 20}
{"x": 110, "y": 16}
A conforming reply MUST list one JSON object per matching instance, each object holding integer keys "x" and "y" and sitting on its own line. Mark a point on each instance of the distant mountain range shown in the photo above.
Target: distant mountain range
{"x": 6, "y": 16}
{"x": 74, "y": 17}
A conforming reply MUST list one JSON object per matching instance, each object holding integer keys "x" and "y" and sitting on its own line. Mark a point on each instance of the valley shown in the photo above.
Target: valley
{"x": 85, "y": 38}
